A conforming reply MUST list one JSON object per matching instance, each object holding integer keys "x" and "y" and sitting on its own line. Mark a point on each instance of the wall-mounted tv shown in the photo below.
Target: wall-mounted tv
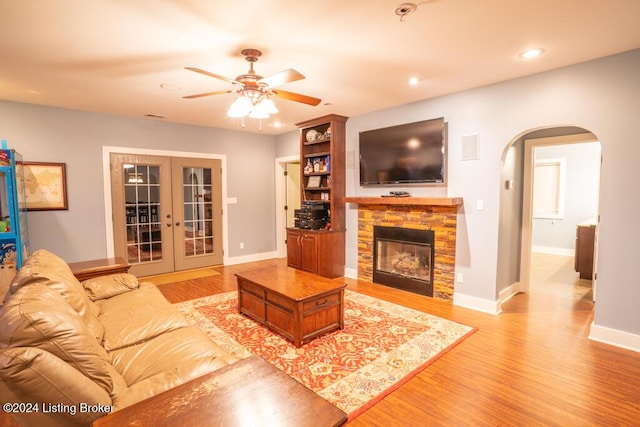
{"x": 411, "y": 153}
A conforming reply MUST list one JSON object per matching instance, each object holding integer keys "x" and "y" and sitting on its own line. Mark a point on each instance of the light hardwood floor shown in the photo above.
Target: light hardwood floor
{"x": 531, "y": 365}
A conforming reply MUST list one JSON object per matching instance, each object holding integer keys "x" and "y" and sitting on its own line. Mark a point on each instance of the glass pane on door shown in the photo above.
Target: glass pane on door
{"x": 142, "y": 211}
{"x": 198, "y": 207}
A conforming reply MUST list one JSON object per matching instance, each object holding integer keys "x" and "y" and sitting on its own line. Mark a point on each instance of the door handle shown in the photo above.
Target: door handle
{"x": 168, "y": 224}
{"x": 177, "y": 223}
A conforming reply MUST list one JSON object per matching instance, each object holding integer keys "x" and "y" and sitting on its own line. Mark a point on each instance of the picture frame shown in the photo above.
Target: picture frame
{"x": 45, "y": 186}
{"x": 314, "y": 182}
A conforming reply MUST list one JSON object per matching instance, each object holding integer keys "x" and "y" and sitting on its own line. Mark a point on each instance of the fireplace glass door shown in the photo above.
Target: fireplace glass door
{"x": 403, "y": 258}
{"x": 411, "y": 260}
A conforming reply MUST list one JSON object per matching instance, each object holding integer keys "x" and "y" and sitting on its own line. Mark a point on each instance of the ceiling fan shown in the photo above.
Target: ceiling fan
{"x": 254, "y": 90}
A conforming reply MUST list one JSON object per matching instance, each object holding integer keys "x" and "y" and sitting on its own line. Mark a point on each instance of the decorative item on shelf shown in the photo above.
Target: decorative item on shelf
{"x": 327, "y": 164}
{"x": 316, "y": 165}
{"x": 327, "y": 134}
{"x": 314, "y": 182}
{"x": 312, "y": 135}
{"x": 308, "y": 167}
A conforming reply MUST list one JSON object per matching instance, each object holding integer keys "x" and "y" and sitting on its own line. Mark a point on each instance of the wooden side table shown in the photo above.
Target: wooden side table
{"x": 84, "y": 270}
{"x": 246, "y": 393}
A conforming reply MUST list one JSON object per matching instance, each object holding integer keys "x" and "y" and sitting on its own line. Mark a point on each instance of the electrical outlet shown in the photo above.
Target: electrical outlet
{"x": 480, "y": 205}
{"x": 460, "y": 278}
{"x": 241, "y": 245}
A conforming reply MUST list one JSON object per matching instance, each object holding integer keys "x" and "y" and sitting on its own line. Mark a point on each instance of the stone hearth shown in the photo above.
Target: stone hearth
{"x": 436, "y": 214}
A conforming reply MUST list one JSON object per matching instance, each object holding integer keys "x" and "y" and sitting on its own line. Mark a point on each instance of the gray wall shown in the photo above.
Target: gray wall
{"x": 582, "y": 164}
{"x": 600, "y": 96}
{"x": 76, "y": 138}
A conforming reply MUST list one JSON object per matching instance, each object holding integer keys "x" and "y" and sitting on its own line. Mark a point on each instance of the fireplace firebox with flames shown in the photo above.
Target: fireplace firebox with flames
{"x": 403, "y": 258}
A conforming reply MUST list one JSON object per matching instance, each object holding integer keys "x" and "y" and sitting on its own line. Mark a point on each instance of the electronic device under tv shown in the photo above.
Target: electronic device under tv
{"x": 411, "y": 153}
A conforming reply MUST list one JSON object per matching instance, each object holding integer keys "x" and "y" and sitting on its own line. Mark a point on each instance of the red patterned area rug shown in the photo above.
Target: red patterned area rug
{"x": 381, "y": 346}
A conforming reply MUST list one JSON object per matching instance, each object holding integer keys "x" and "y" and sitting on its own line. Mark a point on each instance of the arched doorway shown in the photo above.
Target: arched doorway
{"x": 519, "y": 219}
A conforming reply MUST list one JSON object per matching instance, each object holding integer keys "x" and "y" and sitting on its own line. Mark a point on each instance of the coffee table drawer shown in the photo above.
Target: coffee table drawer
{"x": 321, "y": 303}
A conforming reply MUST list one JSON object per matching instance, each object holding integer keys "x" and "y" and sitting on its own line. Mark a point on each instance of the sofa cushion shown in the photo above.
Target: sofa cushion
{"x": 137, "y": 316}
{"x": 187, "y": 353}
{"x": 37, "y": 316}
{"x": 108, "y": 286}
{"x": 35, "y": 375}
{"x": 48, "y": 269}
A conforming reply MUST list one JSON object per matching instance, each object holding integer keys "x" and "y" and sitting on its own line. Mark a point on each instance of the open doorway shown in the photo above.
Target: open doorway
{"x": 523, "y": 235}
{"x": 564, "y": 217}
{"x": 561, "y": 176}
{"x": 287, "y": 198}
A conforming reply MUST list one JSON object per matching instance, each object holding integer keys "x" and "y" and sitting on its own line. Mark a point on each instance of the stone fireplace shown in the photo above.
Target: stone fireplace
{"x": 439, "y": 215}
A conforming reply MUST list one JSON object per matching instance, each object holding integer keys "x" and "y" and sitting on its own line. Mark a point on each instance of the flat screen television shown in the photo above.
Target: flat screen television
{"x": 411, "y": 153}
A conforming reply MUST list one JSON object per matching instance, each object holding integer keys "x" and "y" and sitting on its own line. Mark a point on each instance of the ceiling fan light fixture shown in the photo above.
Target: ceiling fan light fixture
{"x": 269, "y": 106}
{"x": 241, "y": 107}
{"x": 253, "y": 97}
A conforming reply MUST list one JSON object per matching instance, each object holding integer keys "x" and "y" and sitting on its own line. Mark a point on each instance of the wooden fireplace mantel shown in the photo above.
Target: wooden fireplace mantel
{"x": 405, "y": 201}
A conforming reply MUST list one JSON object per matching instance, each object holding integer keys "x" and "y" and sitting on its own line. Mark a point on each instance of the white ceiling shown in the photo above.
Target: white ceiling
{"x": 112, "y": 56}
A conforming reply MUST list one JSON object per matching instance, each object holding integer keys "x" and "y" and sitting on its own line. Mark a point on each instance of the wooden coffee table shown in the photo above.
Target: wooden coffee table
{"x": 246, "y": 393}
{"x": 298, "y": 305}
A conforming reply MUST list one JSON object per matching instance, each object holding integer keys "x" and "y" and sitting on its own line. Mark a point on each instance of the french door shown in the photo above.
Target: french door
{"x": 166, "y": 212}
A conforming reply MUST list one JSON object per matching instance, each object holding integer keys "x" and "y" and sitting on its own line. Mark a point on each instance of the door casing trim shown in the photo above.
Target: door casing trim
{"x": 106, "y": 179}
{"x": 280, "y": 165}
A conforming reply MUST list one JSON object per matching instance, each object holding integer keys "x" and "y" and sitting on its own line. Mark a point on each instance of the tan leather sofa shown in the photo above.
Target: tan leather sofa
{"x": 75, "y": 351}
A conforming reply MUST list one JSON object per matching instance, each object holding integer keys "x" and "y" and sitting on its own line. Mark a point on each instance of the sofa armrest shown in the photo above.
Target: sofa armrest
{"x": 103, "y": 287}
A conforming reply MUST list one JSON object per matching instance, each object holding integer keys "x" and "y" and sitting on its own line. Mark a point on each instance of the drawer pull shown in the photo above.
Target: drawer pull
{"x": 319, "y": 303}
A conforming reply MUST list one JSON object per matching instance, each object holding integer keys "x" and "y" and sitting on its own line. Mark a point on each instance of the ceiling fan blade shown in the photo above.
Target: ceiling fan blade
{"x": 210, "y": 74}
{"x": 291, "y": 96}
{"x": 200, "y": 95}
{"x": 286, "y": 76}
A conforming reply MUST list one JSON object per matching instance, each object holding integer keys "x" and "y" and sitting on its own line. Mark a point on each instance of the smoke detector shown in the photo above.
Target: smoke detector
{"x": 405, "y": 9}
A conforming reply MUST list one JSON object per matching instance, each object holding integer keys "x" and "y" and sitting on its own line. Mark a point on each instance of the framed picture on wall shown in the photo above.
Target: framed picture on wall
{"x": 45, "y": 186}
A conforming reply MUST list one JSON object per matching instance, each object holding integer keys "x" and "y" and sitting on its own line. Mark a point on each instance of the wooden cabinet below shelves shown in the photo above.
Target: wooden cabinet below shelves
{"x": 317, "y": 251}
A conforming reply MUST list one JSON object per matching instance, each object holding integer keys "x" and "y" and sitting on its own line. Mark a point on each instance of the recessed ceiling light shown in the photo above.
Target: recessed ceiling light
{"x": 531, "y": 53}
{"x": 277, "y": 125}
{"x": 413, "y": 81}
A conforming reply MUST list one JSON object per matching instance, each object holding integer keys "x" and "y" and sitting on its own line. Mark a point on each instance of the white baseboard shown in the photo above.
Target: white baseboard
{"x": 351, "y": 273}
{"x": 614, "y": 337}
{"x": 507, "y": 293}
{"x": 475, "y": 303}
{"x": 250, "y": 258}
{"x": 553, "y": 251}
